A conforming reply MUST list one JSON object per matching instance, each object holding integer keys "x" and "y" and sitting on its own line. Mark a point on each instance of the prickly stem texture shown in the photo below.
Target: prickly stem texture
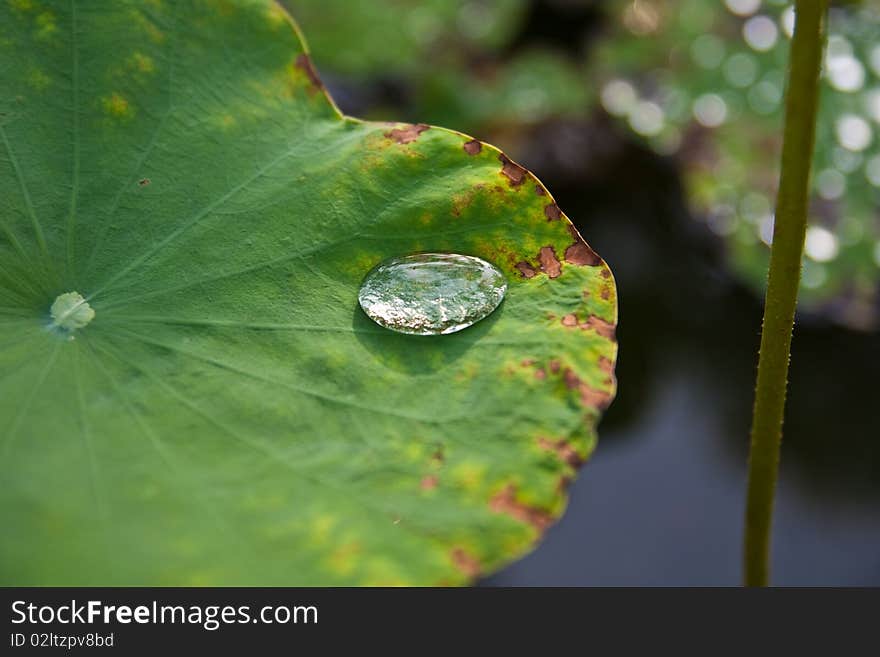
{"x": 782, "y": 288}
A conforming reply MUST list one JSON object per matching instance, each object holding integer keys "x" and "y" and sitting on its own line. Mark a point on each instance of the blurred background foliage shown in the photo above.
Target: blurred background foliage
{"x": 563, "y": 85}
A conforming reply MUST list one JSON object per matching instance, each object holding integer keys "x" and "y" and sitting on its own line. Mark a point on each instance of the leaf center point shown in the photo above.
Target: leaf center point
{"x": 71, "y": 311}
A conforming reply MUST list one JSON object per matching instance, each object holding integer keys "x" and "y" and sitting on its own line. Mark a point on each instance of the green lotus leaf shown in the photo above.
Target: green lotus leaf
{"x": 189, "y": 391}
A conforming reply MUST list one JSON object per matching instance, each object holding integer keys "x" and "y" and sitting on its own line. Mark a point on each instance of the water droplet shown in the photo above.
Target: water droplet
{"x": 71, "y": 311}
{"x": 431, "y": 293}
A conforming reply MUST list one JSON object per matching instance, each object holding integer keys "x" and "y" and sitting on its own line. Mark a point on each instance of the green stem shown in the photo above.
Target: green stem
{"x": 782, "y": 287}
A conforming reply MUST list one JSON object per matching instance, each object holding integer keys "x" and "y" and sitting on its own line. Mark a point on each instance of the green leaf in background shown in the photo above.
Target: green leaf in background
{"x": 452, "y": 57}
{"x": 703, "y": 79}
{"x": 392, "y": 37}
{"x": 189, "y": 392}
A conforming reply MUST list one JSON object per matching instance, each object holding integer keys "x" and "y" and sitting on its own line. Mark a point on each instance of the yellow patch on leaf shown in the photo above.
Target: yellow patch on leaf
{"x": 117, "y": 106}
{"x": 38, "y": 79}
{"x": 141, "y": 62}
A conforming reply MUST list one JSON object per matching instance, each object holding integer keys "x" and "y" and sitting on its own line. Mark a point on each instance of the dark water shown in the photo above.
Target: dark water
{"x": 661, "y": 501}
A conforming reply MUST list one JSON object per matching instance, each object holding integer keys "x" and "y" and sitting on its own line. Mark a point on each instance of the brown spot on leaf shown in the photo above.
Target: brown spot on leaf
{"x": 429, "y": 482}
{"x": 407, "y": 134}
{"x": 580, "y": 252}
{"x": 605, "y": 364}
{"x": 540, "y": 191}
{"x": 555, "y": 366}
{"x": 552, "y": 212}
{"x": 605, "y": 293}
{"x": 514, "y": 172}
{"x": 590, "y": 397}
{"x": 472, "y": 147}
{"x": 550, "y": 264}
{"x": 606, "y": 273}
{"x": 570, "y": 320}
{"x": 526, "y": 269}
{"x": 540, "y": 374}
{"x": 528, "y": 362}
{"x": 594, "y": 398}
{"x": 304, "y": 63}
{"x": 143, "y": 182}
{"x": 505, "y": 502}
{"x": 563, "y": 449}
{"x": 600, "y": 326}
{"x": 468, "y": 564}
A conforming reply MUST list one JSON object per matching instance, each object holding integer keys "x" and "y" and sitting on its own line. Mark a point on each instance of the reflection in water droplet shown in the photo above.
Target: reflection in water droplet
{"x": 431, "y": 293}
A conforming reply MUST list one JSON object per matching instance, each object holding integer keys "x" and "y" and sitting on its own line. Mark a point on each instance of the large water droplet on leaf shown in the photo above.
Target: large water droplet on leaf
{"x": 431, "y": 293}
